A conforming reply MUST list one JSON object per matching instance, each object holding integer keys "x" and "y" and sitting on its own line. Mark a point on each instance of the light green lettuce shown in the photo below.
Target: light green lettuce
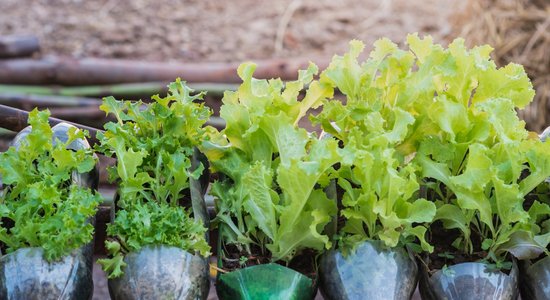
{"x": 447, "y": 116}
{"x": 380, "y": 188}
{"x": 273, "y": 171}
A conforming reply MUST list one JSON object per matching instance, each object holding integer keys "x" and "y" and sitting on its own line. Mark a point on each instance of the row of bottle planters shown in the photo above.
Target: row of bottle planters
{"x": 161, "y": 272}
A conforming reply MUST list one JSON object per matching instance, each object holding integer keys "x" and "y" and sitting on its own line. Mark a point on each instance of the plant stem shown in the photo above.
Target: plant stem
{"x": 218, "y": 269}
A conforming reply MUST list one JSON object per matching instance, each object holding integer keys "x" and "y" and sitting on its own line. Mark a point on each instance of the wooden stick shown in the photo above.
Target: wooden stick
{"x": 283, "y": 24}
{"x": 127, "y": 89}
{"x": 213, "y": 266}
{"x": 27, "y": 101}
{"x": 18, "y": 46}
{"x": 16, "y": 119}
{"x": 79, "y": 113}
{"x": 93, "y": 71}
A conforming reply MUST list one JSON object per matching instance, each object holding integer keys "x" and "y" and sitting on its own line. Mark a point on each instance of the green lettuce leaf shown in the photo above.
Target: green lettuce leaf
{"x": 271, "y": 192}
{"x": 39, "y": 207}
{"x": 153, "y": 144}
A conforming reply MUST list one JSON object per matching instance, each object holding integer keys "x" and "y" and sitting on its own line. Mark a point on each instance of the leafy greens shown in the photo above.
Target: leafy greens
{"x": 40, "y": 205}
{"x": 153, "y": 144}
{"x": 450, "y": 116}
{"x": 380, "y": 188}
{"x": 271, "y": 195}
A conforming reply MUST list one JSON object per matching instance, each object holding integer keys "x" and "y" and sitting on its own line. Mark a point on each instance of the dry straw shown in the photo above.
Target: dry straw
{"x": 519, "y": 30}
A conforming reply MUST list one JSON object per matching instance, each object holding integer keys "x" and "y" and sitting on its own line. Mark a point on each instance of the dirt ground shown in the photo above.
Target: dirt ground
{"x": 213, "y": 30}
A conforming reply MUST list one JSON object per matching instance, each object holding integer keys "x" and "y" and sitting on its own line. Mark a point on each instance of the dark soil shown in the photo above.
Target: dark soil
{"x": 234, "y": 259}
{"x": 304, "y": 263}
{"x": 445, "y": 254}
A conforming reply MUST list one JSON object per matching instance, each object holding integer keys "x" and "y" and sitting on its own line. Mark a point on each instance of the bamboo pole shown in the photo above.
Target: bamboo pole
{"x": 93, "y": 71}
{"x": 4, "y": 131}
{"x": 94, "y": 113}
{"x": 127, "y": 89}
{"x": 79, "y": 113}
{"x": 28, "y": 101}
{"x": 16, "y": 119}
{"x": 18, "y": 46}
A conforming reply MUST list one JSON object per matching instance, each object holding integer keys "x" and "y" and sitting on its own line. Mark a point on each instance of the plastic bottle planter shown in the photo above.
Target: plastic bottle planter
{"x": 535, "y": 279}
{"x": 371, "y": 272}
{"x": 267, "y": 281}
{"x": 25, "y": 275}
{"x": 472, "y": 280}
{"x": 85, "y": 180}
{"x": 164, "y": 272}
{"x": 161, "y": 272}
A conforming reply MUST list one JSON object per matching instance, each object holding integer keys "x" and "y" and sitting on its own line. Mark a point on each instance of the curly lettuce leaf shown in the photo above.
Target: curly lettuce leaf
{"x": 153, "y": 144}
{"x": 39, "y": 206}
{"x": 450, "y": 114}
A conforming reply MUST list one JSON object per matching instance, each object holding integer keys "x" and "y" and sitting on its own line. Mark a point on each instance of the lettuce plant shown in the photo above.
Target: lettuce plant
{"x": 40, "y": 206}
{"x": 380, "y": 189}
{"x": 271, "y": 195}
{"x": 479, "y": 160}
{"x": 153, "y": 144}
{"x": 450, "y": 114}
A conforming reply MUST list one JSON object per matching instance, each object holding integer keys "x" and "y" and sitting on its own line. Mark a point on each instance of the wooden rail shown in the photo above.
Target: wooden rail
{"x": 16, "y": 119}
{"x": 92, "y": 71}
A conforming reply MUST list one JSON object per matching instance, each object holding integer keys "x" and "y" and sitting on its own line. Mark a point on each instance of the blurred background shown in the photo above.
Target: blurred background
{"x": 67, "y": 54}
{"x": 211, "y": 30}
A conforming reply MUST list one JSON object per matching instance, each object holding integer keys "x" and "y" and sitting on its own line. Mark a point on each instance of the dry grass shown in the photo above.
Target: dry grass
{"x": 519, "y": 30}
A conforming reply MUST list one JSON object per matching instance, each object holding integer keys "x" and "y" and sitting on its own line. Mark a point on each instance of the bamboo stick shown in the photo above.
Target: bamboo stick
{"x": 93, "y": 71}
{"x": 79, "y": 113}
{"x": 28, "y": 101}
{"x": 94, "y": 113}
{"x": 128, "y": 89}
{"x": 16, "y": 119}
{"x": 18, "y": 46}
{"x": 4, "y": 131}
